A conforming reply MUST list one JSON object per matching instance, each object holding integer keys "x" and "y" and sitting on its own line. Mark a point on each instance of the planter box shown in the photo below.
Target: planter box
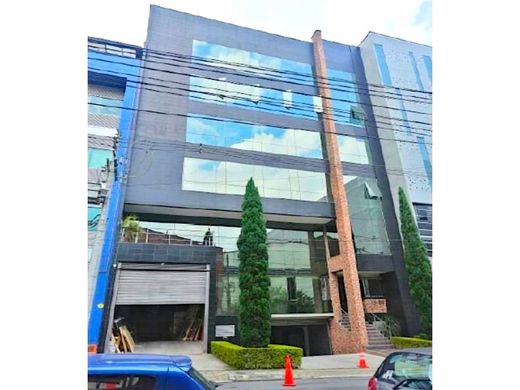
{"x": 252, "y": 358}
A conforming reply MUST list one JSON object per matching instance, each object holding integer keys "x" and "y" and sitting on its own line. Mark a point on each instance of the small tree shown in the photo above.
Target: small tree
{"x": 131, "y": 227}
{"x": 254, "y": 315}
{"x": 417, "y": 264}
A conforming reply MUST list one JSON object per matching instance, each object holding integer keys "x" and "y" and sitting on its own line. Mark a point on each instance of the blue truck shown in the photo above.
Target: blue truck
{"x": 144, "y": 372}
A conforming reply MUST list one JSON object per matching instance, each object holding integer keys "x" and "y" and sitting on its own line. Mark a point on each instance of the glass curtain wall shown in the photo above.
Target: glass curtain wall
{"x": 231, "y": 178}
{"x": 297, "y": 265}
{"x": 267, "y": 139}
{"x": 366, "y": 215}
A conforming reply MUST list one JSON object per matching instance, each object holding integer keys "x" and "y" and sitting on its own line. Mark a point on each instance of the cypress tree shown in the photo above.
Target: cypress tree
{"x": 254, "y": 315}
{"x": 417, "y": 264}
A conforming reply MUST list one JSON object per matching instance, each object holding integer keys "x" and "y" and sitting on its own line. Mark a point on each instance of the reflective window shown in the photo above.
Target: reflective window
{"x": 104, "y": 106}
{"x": 345, "y": 101}
{"x": 97, "y": 158}
{"x": 366, "y": 215}
{"x": 252, "y": 97}
{"x": 254, "y": 137}
{"x": 426, "y": 158}
{"x": 404, "y": 114}
{"x": 416, "y": 71}
{"x": 94, "y": 214}
{"x": 231, "y": 178}
{"x": 428, "y": 64}
{"x": 383, "y": 67}
{"x": 297, "y": 265}
{"x": 227, "y": 57}
{"x": 354, "y": 150}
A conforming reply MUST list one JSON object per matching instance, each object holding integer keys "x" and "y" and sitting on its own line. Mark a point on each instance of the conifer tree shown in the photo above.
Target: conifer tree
{"x": 254, "y": 318}
{"x": 417, "y": 264}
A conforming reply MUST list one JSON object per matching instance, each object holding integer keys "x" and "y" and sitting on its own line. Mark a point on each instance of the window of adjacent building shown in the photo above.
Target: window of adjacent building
{"x": 94, "y": 214}
{"x": 366, "y": 215}
{"x": 123, "y": 381}
{"x": 416, "y": 71}
{"x": 425, "y": 157}
{"x": 104, "y": 106}
{"x": 428, "y": 63}
{"x": 259, "y": 138}
{"x": 272, "y": 182}
{"x": 383, "y": 67}
{"x": 97, "y": 158}
{"x": 423, "y": 213}
{"x": 353, "y": 149}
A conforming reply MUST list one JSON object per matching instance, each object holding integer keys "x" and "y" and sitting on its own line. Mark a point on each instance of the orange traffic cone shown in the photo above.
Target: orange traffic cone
{"x": 289, "y": 379}
{"x": 362, "y": 362}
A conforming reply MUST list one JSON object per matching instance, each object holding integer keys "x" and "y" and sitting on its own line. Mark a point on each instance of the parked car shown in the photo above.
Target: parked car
{"x": 144, "y": 372}
{"x": 403, "y": 370}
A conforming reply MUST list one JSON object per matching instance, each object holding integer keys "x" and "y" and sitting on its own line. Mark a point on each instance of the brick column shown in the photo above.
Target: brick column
{"x": 342, "y": 340}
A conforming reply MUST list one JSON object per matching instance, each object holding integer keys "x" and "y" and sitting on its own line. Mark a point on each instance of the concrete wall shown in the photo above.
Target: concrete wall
{"x": 401, "y": 156}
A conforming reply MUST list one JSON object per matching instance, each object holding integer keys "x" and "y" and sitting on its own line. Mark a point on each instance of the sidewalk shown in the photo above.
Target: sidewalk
{"x": 313, "y": 367}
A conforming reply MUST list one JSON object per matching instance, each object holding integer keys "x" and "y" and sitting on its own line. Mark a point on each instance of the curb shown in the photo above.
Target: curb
{"x": 237, "y": 376}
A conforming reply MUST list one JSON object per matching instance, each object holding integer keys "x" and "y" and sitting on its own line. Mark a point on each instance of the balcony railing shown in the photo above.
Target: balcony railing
{"x": 146, "y": 236}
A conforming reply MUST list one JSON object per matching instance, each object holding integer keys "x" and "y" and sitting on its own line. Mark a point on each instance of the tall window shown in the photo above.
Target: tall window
{"x": 366, "y": 215}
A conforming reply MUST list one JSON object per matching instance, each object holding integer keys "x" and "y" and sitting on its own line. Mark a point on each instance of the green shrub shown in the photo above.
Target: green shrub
{"x": 251, "y": 358}
{"x": 409, "y": 342}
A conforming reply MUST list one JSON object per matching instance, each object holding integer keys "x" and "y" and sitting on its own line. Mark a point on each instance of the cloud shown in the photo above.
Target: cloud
{"x": 340, "y": 21}
{"x": 272, "y": 182}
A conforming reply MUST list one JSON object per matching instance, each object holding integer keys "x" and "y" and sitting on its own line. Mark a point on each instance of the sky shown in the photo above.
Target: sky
{"x": 345, "y": 21}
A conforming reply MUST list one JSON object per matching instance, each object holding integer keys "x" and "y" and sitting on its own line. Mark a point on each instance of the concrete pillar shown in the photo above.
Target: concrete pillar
{"x": 357, "y": 339}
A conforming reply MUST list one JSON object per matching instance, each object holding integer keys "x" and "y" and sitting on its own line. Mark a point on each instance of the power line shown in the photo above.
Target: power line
{"x": 238, "y": 104}
{"x": 163, "y": 145}
{"x": 237, "y": 121}
{"x": 266, "y": 100}
{"x": 203, "y": 61}
{"x": 272, "y": 88}
{"x": 169, "y": 54}
{"x": 261, "y": 76}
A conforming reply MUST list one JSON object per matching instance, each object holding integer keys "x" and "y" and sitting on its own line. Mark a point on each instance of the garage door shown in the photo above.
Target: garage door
{"x": 149, "y": 284}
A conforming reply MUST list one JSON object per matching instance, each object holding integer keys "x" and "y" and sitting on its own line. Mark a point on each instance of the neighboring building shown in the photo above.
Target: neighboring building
{"x": 403, "y": 112}
{"x": 113, "y": 70}
{"x": 219, "y": 104}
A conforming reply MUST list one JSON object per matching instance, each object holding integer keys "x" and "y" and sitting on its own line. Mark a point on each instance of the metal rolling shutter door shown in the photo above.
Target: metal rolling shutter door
{"x": 138, "y": 286}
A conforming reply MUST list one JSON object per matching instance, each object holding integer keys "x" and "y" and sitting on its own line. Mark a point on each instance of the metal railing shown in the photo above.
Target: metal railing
{"x": 151, "y": 237}
{"x": 386, "y": 324}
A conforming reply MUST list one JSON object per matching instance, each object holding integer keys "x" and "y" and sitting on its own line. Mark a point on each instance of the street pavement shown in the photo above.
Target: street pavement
{"x": 313, "y": 367}
{"x": 349, "y": 383}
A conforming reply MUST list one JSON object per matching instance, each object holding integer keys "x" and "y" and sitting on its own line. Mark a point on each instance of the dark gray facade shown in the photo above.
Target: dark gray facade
{"x": 154, "y": 184}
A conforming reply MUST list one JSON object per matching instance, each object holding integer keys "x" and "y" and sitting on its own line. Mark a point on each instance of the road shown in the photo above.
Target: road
{"x": 350, "y": 383}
